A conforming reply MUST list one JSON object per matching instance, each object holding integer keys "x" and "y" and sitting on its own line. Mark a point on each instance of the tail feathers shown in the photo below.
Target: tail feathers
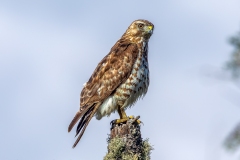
{"x": 84, "y": 120}
{"x": 82, "y": 125}
{"x": 74, "y": 121}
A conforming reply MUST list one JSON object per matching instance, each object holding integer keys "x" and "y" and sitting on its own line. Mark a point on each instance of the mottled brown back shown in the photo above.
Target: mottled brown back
{"x": 110, "y": 73}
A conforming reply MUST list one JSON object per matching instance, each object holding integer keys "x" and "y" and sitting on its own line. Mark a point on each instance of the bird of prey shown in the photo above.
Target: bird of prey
{"x": 119, "y": 80}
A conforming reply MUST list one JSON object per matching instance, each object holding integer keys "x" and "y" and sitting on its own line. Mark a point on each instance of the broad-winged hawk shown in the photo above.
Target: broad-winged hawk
{"x": 119, "y": 80}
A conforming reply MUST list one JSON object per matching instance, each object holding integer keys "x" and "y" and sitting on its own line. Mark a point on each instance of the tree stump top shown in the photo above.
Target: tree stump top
{"x": 125, "y": 142}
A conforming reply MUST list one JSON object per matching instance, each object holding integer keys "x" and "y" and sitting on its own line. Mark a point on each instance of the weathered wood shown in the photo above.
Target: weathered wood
{"x": 125, "y": 142}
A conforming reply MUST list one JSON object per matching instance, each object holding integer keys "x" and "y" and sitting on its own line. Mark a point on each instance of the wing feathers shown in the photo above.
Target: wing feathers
{"x": 113, "y": 70}
{"x": 74, "y": 121}
{"x": 110, "y": 73}
{"x": 84, "y": 119}
{"x": 87, "y": 117}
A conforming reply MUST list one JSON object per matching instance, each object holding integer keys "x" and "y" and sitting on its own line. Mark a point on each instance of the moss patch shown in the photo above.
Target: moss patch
{"x": 117, "y": 151}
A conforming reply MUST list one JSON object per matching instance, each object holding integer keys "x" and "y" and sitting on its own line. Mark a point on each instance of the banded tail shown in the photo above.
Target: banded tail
{"x": 85, "y": 116}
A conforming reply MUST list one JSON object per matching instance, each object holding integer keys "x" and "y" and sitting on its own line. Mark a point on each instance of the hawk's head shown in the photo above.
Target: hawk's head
{"x": 140, "y": 30}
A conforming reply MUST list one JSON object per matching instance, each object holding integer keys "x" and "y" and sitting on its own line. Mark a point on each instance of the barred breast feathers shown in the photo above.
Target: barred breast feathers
{"x": 132, "y": 89}
{"x": 138, "y": 81}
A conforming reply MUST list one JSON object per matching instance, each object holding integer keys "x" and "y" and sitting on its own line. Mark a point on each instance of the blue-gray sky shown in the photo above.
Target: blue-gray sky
{"x": 48, "y": 49}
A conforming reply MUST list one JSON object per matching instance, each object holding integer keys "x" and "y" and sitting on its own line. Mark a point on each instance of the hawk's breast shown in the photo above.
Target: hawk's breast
{"x": 136, "y": 85}
{"x": 132, "y": 89}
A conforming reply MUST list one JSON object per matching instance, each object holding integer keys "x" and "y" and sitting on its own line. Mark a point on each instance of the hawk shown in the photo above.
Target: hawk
{"x": 119, "y": 80}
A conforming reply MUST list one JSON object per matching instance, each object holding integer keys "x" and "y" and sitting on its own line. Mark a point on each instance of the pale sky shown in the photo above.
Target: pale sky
{"x": 48, "y": 49}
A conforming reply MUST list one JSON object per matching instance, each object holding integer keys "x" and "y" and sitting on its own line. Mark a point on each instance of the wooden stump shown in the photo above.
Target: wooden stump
{"x": 125, "y": 142}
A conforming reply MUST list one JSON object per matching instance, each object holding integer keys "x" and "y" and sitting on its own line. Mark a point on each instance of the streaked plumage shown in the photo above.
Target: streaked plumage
{"x": 119, "y": 79}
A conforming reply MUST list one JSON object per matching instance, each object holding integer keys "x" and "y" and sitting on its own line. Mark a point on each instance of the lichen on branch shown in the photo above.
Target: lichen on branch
{"x": 125, "y": 143}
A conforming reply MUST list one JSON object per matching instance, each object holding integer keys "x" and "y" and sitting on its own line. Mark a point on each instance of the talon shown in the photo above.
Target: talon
{"x": 124, "y": 117}
{"x": 131, "y": 117}
{"x": 121, "y": 120}
{"x": 139, "y": 122}
{"x": 113, "y": 122}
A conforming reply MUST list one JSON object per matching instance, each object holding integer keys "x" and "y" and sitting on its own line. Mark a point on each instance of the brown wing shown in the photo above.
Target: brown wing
{"x": 114, "y": 69}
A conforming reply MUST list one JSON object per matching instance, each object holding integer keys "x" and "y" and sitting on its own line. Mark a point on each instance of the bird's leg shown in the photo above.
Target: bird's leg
{"x": 123, "y": 116}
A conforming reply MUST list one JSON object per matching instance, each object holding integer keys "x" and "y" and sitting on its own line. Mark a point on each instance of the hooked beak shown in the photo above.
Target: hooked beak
{"x": 149, "y": 29}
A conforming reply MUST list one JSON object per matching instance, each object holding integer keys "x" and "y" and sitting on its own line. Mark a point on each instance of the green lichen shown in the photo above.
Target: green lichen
{"x": 147, "y": 148}
{"x": 117, "y": 151}
{"x": 116, "y": 147}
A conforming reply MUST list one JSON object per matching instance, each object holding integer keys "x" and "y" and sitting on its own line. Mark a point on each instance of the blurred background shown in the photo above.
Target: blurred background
{"x": 48, "y": 49}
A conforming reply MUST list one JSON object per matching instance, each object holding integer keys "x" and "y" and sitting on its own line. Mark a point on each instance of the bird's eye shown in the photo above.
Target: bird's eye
{"x": 140, "y": 25}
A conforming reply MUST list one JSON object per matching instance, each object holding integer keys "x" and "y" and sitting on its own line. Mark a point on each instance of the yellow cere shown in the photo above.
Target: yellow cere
{"x": 150, "y": 27}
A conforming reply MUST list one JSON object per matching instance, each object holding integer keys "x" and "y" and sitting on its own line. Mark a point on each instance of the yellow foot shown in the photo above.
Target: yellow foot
{"x": 135, "y": 119}
{"x": 117, "y": 121}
